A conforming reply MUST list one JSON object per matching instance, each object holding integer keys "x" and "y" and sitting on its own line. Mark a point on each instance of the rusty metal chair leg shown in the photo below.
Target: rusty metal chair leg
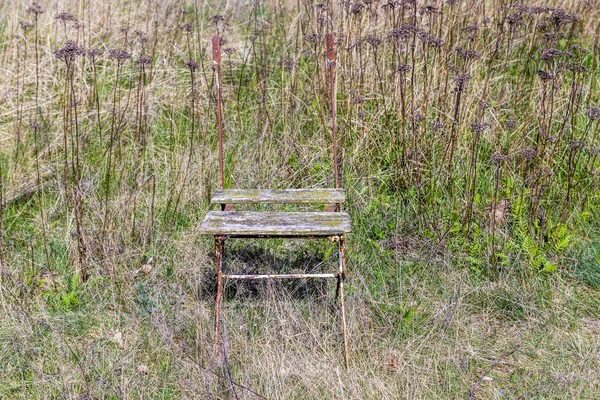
{"x": 341, "y": 277}
{"x": 219, "y": 255}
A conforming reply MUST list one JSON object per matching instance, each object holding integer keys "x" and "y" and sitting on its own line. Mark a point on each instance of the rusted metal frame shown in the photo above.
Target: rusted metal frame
{"x": 216, "y": 50}
{"x": 340, "y": 289}
{"x": 330, "y": 45}
{"x": 219, "y": 257}
{"x": 280, "y": 276}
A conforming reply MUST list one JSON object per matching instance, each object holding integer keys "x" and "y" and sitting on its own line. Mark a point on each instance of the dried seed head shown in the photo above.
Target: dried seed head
{"x": 217, "y": 18}
{"x": 35, "y": 9}
{"x": 575, "y": 144}
{"x": 229, "y": 50}
{"x": 187, "y": 28}
{"x": 437, "y": 126}
{"x": 435, "y": 42}
{"x": 462, "y": 82}
{"x": 25, "y": 25}
{"x": 314, "y": 38}
{"x": 359, "y": 99}
{"x": 510, "y": 124}
{"x": 94, "y": 53}
{"x": 144, "y": 61}
{"x": 593, "y": 113}
{"x": 498, "y": 158}
{"x": 69, "y": 51}
{"x": 373, "y": 41}
{"x": 576, "y": 68}
{"x": 561, "y": 17}
{"x": 418, "y": 117}
{"x": 429, "y": 10}
{"x": 529, "y": 153}
{"x": 142, "y": 37}
{"x": 403, "y": 69}
{"x": 399, "y": 33}
{"x": 119, "y": 55}
{"x": 356, "y": 8}
{"x": 65, "y": 17}
{"x": 467, "y": 54}
{"x": 544, "y": 76}
{"x": 551, "y": 54}
{"x": 191, "y": 65}
{"x": 34, "y": 126}
{"x": 479, "y": 127}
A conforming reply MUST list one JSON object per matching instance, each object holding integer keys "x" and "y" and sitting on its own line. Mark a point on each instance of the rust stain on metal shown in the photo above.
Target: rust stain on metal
{"x": 219, "y": 249}
{"x": 341, "y": 278}
{"x": 329, "y": 43}
{"x": 216, "y": 48}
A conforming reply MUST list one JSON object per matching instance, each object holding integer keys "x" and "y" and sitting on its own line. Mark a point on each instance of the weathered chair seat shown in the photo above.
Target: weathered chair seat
{"x": 267, "y": 224}
{"x": 286, "y": 196}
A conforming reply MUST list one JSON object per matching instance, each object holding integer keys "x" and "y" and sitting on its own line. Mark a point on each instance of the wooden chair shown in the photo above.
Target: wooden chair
{"x": 225, "y": 223}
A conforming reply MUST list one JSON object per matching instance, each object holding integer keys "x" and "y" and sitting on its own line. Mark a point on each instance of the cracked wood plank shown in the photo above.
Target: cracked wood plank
{"x": 254, "y": 223}
{"x": 275, "y": 196}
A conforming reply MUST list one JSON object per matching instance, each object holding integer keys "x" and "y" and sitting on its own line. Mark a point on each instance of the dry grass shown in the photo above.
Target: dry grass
{"x": 447, "y": 295}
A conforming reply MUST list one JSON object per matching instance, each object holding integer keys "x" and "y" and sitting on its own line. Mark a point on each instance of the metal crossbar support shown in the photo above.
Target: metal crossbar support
{"x": 339, "y": 292}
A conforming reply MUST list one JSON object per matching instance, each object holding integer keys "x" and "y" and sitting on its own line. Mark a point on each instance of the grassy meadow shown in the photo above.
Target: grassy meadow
{"x": 469, "y": 142}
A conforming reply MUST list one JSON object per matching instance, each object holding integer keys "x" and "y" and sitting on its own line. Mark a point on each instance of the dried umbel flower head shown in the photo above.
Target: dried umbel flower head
{"x": 467, "y": 54}
{"x": 314, "y": 38}
{"x": 94, "y": 53}
{"x": 356, "y": 8}
{"x": 403, "y": 69}
{"x": 191, "y": 65}
{"x": 69, "y": 51}
{"x": 437, "y": 126}
{"x": 593, "y": 113}
{"x": 479, "y": 127}
{"x": 373, "y": 41}
{"x": 35, "y": 9}
{"x": 510, "y": 124}
{"x": 187, "y": 28}
{"x": 215, "y": 19}
{"x": 498, "y": 158}
{"x": 462, "y": 82}
{"x": 576, "y": 144}
{"x": 529, "y": 153}
{"x": 561, "y": 17}
{"x": 144, "y": 61}
{"x": 142, "y": 37}
{"x": 551, "y": 54}
{"x": 228, "y": 50}
{"x": 402, "y": 33}
{"x": 544, "y": 76}
{"x": 119, "y": 55}
{"x": 25, "y": 25}
{"x": 65, "y": 17}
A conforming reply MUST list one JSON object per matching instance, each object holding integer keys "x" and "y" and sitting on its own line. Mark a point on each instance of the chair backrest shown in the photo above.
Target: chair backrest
{"x": 330, "y": 47}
